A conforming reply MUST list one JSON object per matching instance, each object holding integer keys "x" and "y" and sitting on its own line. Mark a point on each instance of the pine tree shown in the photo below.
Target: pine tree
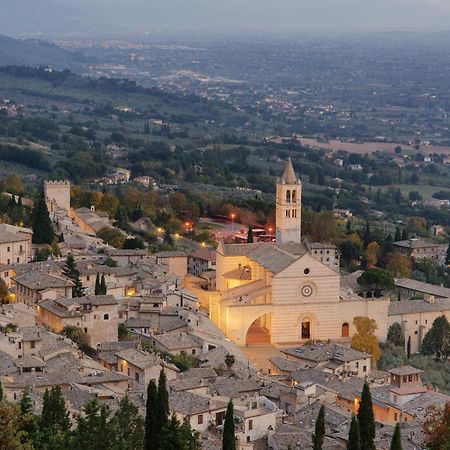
{"x": 41, "y": 223}
{"x": 171, "y": 438}
{"x": 189, "y": 436}
{"x": 404, "y": 235}
{"x": 128, "y": 426}
{"x": 70, "y": 271}
{"x": 229, "y": 435}
{"x": 354, "y": 437}
{"x": 366, "y": 420}
{"x": 396, "y": 443}
{"x": 94, "y": 431}
{"x": 319, "y": 432}
{"x": 26, "y": 405}
{"x": 103, "y": 288}
{"x": 250, "y": 235}
{"x": 151, "y": 418}
{"x": 97, "y": 284}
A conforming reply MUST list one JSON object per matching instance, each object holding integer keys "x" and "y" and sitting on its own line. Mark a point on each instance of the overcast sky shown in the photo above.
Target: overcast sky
{"x": 271, "y": 15}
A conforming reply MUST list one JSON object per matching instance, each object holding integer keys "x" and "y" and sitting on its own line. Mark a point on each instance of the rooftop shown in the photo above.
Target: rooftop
{"x": 415, "y": 243}
{"x": 420, "y": 286}
{"x": 40, "y": 281}
{"x": 405, "y": 370}
{"x": 324, "y": 352}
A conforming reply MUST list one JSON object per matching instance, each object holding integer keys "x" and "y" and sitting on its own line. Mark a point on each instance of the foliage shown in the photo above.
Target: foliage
{"x": 376, "y": 279}
{"x": 366, "y": 420}
{"x": 70, "y": 271}
{"x": 111, "y": 236}
{"x": 391, "y": 357}
{"x": 42, "y": 225}
{"x": 151, "y": 418}
{"x": 12, "y": 437}
{"x": 134, "y": 243}
{"x": 437, "y": 340}
{"x": 396, "y": 443}
{"x": 396, "y": 336}
{"x": 123, "y": 332}
{"x": 229, "y": 360}
{"x": 364, "y": 339}
{"x": 4, "y": 292}
{"x": 76, "y": 335}
{"x": 319, "y": 431}
{"x": 399, "y": 265}
{"x": 250, "y": 235}
{"x": 229, "y": 434}
{"x": 354, "y": 436}
{"x": 372, "y": 253}
{"x": 437, "y": 428}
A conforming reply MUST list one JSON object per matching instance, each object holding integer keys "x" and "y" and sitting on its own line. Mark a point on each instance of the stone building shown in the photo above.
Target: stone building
{"x": 57, "y": 195}
{"x": 288, "y": 291}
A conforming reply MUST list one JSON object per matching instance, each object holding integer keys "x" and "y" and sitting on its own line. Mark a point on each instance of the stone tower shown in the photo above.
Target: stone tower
{"x": 289, "y": 206}
{"x": 57, "y": 195}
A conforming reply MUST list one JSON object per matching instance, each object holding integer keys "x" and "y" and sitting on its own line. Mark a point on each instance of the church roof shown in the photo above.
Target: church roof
{"x": 289, "y": 176}
{"x": 273, "y": 256}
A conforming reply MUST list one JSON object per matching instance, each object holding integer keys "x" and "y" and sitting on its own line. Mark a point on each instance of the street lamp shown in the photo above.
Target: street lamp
{"x": 232, "y": 221}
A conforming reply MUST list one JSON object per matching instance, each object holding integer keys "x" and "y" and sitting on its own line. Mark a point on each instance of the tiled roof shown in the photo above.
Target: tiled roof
{"x": 40, "y": 281}
{"x": 427, "y": 288}
{"x": 7, "y": 237}
{"x": 405, "y": 370}
{"x": 171, "y": 254}
{"x": 178, "y": 341}
{"x": 139, "y": 358}
{"x": 415, "y": 243}
{"x": 323, "y": 352}
{"x": 418, "y": 306}
{"x": 188, "y": 403}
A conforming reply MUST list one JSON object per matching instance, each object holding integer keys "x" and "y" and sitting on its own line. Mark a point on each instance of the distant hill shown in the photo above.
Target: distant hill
{"x": 36, "y": 53}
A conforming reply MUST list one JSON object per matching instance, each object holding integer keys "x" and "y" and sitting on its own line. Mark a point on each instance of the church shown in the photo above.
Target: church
{"x": 286, "y": 292}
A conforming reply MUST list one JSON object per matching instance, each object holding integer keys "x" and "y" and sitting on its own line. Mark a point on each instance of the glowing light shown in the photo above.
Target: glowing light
{"x": 160, "y": 230}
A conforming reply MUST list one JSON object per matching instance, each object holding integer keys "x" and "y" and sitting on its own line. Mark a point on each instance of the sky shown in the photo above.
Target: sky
{"x": 270, "y": 15}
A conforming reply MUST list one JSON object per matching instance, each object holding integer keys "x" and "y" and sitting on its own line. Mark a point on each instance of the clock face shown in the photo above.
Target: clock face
{"x": 307, "y": 290}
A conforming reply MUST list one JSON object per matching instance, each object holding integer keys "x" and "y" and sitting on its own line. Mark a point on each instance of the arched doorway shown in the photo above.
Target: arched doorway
{"x": 306, "y": 328}
{"x": 345, "y": 330}
{"x": 259, "y": 331}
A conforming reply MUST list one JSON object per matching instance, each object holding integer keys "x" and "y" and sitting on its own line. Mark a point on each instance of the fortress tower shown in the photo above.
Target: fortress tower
{"x": 289, "y": 206}
{"x": 57, "y": 195}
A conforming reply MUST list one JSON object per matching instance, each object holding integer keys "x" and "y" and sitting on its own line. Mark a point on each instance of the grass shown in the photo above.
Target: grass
{"x": 425, "y": 191}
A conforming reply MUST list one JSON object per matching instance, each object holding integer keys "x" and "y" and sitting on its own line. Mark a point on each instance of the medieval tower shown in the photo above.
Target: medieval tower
{"x": 289, "y": 206}
{"x": 57, "y": 195}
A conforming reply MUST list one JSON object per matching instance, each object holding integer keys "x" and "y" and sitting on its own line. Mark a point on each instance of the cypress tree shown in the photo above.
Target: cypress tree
{"x": 97, "y": 284}
{"x": 1, "y": 392}
{"x": 103, "y": 288}
{"x": 229, "y": 436}
{"x": 250, "y": 235}
{"x": 70, "y": 271}
{"x": 398, "y": 234}
{"x": 151, "y": 418}
{"x": 41, "y": 223}
{"x": 354, "y": 436}
{"x": 396, "y": 443}
{"x": 404, "y": 235}
{"x": 162, "y": 401}
{"x": 367, "y": 235}
{"x": 319, "y": 432}
{"x": 408, "y": 347}
{"x": 447, "y": 256}
{"x": 26, "y": 405}
{"x": 366, "y": 420}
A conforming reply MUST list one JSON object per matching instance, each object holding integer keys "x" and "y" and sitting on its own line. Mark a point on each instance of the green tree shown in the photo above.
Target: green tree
{"x": 447, "y": 256}
{"x": 396, "y": 443}
{"x": 250, "y": 235}
{"x": 76, "y": 335}
{"x": 97, "y": 285}
{"x": 398, "y": 235}
{"x": 162, "y": 401}
{"x": 167, "y": 238}
{"x": 319, "y": 431}
{"x": 103, "y": 288}
{"x": 4, "y": 292}
{"x": 190, "y": 437}
{"x": 70, "y": 271}
{"x": 376, "y": 279}
{"x": 26, "y": 405}
{"x": 41, "y": 224}
{"x": 395, "y": 335}
{"x": 366, "y": 235}
{"x": 128, "y": 426}
{"x": 437, "y": 340}
{"x": 93, "y": 431}
{"x": 366, "y": 420}
{"x": 1, "y": 392}
{"x": 229, "y": 434}
{"x": 354, "y": 436}
{"x": 151, "y": 418}
{"x": 12, "y": 437}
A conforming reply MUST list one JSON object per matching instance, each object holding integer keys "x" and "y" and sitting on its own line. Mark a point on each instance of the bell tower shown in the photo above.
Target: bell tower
{"x": 289, "y": 206}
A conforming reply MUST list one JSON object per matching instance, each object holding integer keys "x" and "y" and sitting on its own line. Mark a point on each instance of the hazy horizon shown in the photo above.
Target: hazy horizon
{"x": 270, "y": 16}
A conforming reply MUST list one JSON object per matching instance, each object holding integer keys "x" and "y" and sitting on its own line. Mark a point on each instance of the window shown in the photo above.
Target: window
{"x": 128, "y": 371}
{"x": 254, "y": 405}
{"x": 200, "y": 419}
{"x": 21, "y": 248}
{"x": 250, "y": 425}
{"x": 136, "y": 377}
{"x": 345, "y": 332}
{"x": 415, "y": 332}
{"x": 357, "y": 364}
{"x": 8, "y": 249}
{"x": 106, "y": 316}
{"x": 288, "y": 196}
{"x": 306, "y": 271}
{"x": 33, "y": 344}
{"x": 294, "y": 196}
{"x": 18, "y": 260}
{"x": 395, "y": 417}
{"x": 306, "y": 330}
{"x": 364, "y": 368}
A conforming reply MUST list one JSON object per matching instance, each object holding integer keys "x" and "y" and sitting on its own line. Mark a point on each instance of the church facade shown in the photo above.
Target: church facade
{"x": 287, "y": 292}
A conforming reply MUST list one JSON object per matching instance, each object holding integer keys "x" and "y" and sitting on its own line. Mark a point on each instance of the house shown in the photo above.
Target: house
{"x": 201, "y": 411}
{"x": 96, "y": 315}
{"x": 34, "y": 286}
{"x": 176, "y": 261}
{"x": 332, "y": 358}
{"x": 201, "y": 261}
{"x": 178, "y": 343}
{"x": 15, "y": 245}
{"x": 143, "y": 367}
{"x": 127, "y": 258}
{"x": 417, "y": 248}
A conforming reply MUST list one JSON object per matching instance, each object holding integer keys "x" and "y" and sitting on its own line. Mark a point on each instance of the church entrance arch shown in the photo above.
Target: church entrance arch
{"x": 306, "y": 328}
{"x": 260, "y": 331}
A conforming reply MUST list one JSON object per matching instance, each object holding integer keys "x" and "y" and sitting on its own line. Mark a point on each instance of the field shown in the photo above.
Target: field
{"x": 371, "y": 147}
{"x": 425, "y": 191}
